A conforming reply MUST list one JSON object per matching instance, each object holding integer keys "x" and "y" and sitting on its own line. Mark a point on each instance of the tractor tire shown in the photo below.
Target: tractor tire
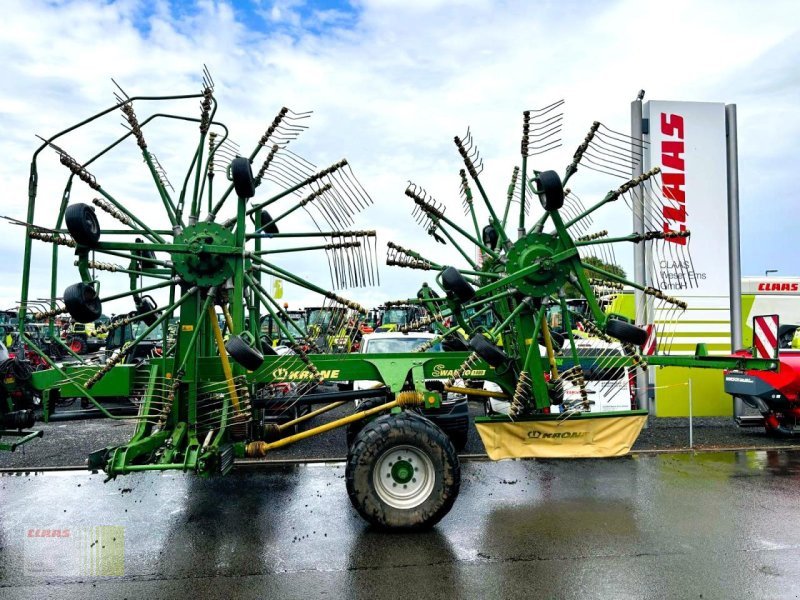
{"x": 250, "y": 358}
{"x": 242, "y": 175}
{"x": 264, "y": 218}
{"x": 82, "y": 303}
{"x": 626, "y": 332}
{"x": 82, "y": 224}
{"x": 550, "y": 190}
{"x": 77, "y": 345}
{"x": 402, "y": 473}
{"x": 456, "y": 286}
{"x": 353, "y": 429}
{"x": 488, "y": 351}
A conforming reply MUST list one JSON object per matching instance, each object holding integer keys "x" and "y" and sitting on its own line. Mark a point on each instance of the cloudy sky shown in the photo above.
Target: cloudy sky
{"x": 390, "y": 83}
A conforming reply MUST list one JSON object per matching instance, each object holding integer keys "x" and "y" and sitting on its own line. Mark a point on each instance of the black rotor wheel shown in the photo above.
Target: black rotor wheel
{"x": 242, "y": 174}
{"x": 250, "y": 358}
{"x": 550, "y": 190}
{"x": 82, "y": 302}
{"x": 488, "y": 351}
{"x": 626, "y": 332}
{"x": 82, "y": 224}
{"x": 456, "y": 286}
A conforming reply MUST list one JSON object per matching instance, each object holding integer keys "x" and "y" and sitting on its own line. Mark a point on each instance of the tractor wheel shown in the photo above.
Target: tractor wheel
{"x": 264, "y": 218}
{"x": 353, "y": 429}
{"x": 82, "y": 303}
{"x": 625, "y": 332}
{"x": 456, "y": 286}
{"x": 550, "y": 190}
{"x": 77, "y": 345}
{"x": 82, "y": 224}
{"x": 248, "y": 357}
{"x": 402, "y": 473}
{"x": 242, "y": 175}
{"x": 488, "y": 351}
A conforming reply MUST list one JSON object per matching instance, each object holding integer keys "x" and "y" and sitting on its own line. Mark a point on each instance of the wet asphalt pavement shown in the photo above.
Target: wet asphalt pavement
{"x": 69, "y": 443}
{"x": 711, "y": 525}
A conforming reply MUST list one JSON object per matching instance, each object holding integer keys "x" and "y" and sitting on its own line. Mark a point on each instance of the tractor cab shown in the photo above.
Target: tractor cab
{"x": 405, "y": 316}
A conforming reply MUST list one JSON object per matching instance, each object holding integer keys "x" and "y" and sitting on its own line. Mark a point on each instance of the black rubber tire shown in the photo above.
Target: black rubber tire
{"x": 77, "y": 345}
{"x": 490, "y": 237}
{"x": 371, "y": 444}
{"x": 146, "y": 304}
{"x": 242, "y": 175}
{"x": 262, "y": 218}
{"x": 82, "y": 224}
{"x": 456, "y": 286}
{"x": 488, "y": 351}
{"x": 550, "y": 190}
{"x": 626, "y": 332}
{"x": 250, "y": 358}
{"x": 82, "y": 303}
{"x": 354, "y": 428}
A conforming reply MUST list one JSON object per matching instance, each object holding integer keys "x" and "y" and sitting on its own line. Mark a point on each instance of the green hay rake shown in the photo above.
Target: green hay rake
{"x": 201, "y": 396}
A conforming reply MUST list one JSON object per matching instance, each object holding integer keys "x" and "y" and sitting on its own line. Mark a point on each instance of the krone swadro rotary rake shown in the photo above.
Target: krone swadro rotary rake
{"x": 196, "y": 364}
{"x": 523, "y": 269}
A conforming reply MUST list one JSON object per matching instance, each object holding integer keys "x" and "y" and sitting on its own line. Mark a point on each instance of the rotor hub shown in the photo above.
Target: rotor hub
{"x": 209, "y": 260}
{"x": 536, "y": 251}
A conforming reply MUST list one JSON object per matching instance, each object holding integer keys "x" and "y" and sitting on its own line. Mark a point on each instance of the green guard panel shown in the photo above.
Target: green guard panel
{"x": 118, "y": 382}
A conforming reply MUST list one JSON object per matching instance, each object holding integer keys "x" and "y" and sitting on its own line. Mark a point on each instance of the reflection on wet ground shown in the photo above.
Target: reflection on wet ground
{"x": 724, "y": 525}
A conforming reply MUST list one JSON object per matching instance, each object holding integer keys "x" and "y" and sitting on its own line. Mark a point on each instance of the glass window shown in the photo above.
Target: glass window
{"x": 403, "y": 344}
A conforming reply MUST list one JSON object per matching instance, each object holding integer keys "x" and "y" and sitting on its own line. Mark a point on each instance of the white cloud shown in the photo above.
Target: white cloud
{"x": 390, "y": 91}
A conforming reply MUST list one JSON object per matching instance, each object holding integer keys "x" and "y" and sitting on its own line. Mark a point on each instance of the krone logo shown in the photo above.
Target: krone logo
{"x": 280, "y": 374}
{"x": 559, "y": 435}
